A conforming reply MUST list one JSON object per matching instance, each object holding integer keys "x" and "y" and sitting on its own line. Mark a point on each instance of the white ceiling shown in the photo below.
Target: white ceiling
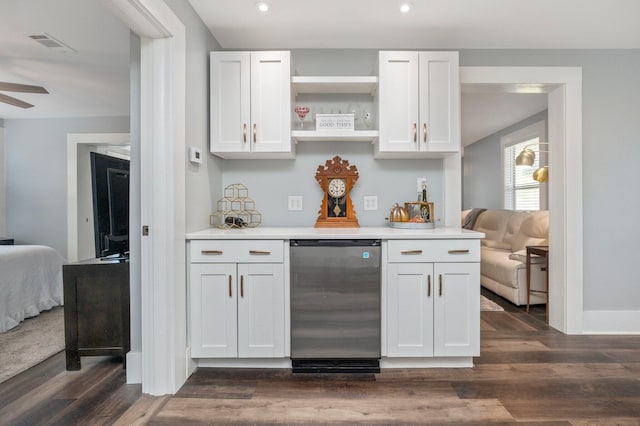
{"x": 94, "y": 80}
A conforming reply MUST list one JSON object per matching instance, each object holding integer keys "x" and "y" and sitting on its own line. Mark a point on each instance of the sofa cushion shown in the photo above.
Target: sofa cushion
{"x": 493, "y": 223}
{"x": 534, "y": 230}
{"x": 500, "y": 245}
{"x": 513, "y": 226}
{"x": 496, "y": 265}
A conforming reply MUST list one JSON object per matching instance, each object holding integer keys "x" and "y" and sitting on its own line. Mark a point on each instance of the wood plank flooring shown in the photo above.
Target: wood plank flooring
{"x": 527, "y": 374}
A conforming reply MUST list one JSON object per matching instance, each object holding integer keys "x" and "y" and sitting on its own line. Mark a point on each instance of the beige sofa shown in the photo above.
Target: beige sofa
{"x": 503, "y": 252}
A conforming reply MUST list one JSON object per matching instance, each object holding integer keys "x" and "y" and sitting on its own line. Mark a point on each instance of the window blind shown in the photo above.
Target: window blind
{"x": 521, "y": 191}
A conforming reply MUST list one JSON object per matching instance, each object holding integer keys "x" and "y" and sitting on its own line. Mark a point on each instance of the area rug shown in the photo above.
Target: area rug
{"x": 31, "y": 342}
{"x": 488, "y": 305}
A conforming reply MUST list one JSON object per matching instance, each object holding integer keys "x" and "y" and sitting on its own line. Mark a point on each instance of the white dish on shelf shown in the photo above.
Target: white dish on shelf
{"x": 412, "y": 225}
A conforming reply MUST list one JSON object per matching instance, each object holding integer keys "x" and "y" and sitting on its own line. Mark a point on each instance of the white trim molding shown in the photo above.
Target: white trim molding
{"x": 564, "y": 88}
{"x": 611, "y": 322}
{"x": 162, "y": 168}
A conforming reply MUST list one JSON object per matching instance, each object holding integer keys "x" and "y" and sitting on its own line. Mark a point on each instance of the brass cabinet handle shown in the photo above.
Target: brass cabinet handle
{"x": 244, "y": 132}
{"x": 428, "y": 285}
{"x": 458, "y": 251}
{"x": 260, "y": 252}
{"x": 230, "y": 294}
{"x": 241, "y": 285}
{"x": 415, "y": 132}
{"x": 211, "y": 251}
{"x": 440, "y": 278}
{"x": 411, "y": 252}
{"x": 424, "y": 130}
{"x": 254, "y": 133}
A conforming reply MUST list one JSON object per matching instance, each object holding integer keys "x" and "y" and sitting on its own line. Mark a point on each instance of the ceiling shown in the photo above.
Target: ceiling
{"x": 93, "y": 80}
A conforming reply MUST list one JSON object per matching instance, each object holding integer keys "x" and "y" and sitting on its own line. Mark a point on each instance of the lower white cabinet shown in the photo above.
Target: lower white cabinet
{"x": 237, "y": 310}
{"x": 433, "y": 308}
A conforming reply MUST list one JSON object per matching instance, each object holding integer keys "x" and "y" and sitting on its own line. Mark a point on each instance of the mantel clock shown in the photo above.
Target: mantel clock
{"x": 336, "y": 178}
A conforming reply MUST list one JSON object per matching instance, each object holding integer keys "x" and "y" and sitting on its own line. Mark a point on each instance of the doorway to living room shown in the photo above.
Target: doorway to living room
{"x": 563, "y": 87}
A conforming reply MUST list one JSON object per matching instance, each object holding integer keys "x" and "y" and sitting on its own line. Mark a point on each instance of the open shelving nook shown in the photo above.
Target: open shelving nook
{"x": 334, "y": 85}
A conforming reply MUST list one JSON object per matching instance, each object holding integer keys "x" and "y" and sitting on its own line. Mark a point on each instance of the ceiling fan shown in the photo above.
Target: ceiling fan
{"x": 15, "y": 87}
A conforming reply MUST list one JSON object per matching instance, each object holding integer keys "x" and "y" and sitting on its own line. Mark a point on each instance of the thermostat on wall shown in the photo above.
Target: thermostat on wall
{"x": 195, "y": 155}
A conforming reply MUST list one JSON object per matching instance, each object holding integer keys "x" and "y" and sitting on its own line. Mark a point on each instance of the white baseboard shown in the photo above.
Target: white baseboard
{"x": 611, "y": 322}
{"x": 445, "y": 362}
{"x": 134, "y": 367}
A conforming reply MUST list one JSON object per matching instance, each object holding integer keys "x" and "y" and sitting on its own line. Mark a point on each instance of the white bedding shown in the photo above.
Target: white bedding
{"x": 30, "y": 282}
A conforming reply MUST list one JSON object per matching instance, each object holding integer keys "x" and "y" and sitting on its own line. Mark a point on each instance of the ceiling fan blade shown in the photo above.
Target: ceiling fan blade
{"x": 13, "y": 101}
{"x": 26, "y": 88}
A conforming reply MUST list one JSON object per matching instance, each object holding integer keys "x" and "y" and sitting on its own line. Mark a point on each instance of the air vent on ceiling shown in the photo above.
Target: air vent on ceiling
{"x": 51, "y": 42}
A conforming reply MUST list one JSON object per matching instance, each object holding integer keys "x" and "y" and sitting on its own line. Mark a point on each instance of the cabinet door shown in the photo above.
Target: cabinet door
{"x": 230, "y": 99}
{"x": 261, "y": 310}
{"x": 410, "y": 310}
{"x": 439, "y": 102}
{"x": 457, "y": 309}
{"x": 213, "y": 311}
{"x": 271, "y": 111}
{"x": 398, "y": 102}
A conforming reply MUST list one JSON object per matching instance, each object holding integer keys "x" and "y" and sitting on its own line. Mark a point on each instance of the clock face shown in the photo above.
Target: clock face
{"x": 337, "y": 187}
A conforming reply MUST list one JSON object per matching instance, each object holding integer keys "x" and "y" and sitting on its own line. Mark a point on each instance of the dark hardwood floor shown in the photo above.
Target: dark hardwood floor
{"x": 527, "y": 373}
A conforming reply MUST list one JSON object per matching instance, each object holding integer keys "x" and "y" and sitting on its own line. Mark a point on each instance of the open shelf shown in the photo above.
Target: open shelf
{"x": 338, "y": 135}
{"x": 304, "y": 84}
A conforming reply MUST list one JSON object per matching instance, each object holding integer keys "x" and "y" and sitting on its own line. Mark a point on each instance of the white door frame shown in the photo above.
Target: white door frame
{"x": 162, "y": 166}
{"x": 73, "y": 140}
{"x": 564, "y": 88}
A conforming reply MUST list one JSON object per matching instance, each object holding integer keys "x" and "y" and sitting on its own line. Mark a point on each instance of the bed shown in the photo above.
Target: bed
{"x": 30, "y": 282}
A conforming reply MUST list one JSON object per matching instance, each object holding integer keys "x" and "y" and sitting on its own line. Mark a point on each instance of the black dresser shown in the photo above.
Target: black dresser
{"x": 96, "y": 310}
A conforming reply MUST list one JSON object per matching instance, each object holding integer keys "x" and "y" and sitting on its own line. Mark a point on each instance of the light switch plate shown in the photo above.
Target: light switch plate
{"x": 370, "y": 202}
{"x": 195, "y": 155}
{"x": 294, "y": 202}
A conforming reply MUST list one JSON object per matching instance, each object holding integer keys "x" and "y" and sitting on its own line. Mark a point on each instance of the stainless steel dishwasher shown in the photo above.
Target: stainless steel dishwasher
{"x": 335, "y": 305}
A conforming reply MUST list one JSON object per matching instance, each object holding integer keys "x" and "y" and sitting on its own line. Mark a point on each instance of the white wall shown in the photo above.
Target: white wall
{"x": 3, "y": 168}
{"x": 611, "y": 95}
{"x": 482, "y": 184}
{"x": 36, "y": 180}
{"x": 203, "y": 181}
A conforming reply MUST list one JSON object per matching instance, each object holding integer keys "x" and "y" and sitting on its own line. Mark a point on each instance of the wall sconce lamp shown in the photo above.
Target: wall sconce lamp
{"x": 527, "y": 157}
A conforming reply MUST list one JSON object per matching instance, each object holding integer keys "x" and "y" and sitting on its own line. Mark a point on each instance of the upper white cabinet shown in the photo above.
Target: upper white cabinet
{"x": 419, "y": 104}
{"x": 251, "y": 104}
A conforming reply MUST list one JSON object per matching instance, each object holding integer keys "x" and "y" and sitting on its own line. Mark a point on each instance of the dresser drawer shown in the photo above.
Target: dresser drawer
{"x": 237, "y": 251}
{"x": 433, "y": 251}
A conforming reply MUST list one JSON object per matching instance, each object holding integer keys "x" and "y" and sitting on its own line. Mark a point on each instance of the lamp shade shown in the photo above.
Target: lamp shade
{"x": 526, "y": 158}
{"x": 541, "y": 174}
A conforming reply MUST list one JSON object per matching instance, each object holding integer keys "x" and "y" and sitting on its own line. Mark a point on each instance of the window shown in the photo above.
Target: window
{"x": 521, "y": 191}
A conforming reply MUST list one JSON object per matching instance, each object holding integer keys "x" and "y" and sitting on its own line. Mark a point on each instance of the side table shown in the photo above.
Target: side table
{"x": 542, "y": 251}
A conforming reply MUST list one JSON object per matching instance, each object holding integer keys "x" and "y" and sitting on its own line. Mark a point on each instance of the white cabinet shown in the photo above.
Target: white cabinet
{"x": 237, "y": 309}
{"x": 419, "y": 104}
{"x": 433, "y": 308}
{"x": 250, "y": 98}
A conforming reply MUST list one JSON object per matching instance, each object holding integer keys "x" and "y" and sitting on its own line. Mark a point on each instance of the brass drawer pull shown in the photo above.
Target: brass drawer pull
{"x": 241, "y": 285}
{"x": 440, "y": 278}
{"x": 255, "y": 131}
{"x": 428, "y": 285}
{"x": 211, "y": 251}
{"x": 230, "y": 294}
{"x": 411, "y": 252}
{"x": 415, "y": 133}
{"x": 244, "y": 133}
{"x": 458, "y": 251}
{"x": 260, "y": 252}
{"x": 424, "y": 128}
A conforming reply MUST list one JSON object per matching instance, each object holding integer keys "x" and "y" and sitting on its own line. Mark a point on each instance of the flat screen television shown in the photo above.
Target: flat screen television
{"x": 110, "y": 185}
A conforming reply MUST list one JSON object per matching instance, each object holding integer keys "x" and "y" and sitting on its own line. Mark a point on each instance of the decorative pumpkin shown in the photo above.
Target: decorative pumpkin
{"x": 398, "y": 214}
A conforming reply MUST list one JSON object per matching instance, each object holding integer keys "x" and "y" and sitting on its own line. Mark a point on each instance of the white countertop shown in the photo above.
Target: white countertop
{"x": 286, "y": 233}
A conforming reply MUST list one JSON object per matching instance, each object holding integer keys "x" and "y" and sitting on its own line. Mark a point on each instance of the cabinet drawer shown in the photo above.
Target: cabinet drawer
{"x": 434, "y": 251}
{"x": 237, "y": 251}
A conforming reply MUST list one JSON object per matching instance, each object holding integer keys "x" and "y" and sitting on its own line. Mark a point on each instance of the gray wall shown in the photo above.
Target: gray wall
{"x": 482, "y": 168}
{"x": 36, "y": 175}
{"x": 610, "y": 129}
{"x": 203, "y": 181}
{"x": 3, "y": 212}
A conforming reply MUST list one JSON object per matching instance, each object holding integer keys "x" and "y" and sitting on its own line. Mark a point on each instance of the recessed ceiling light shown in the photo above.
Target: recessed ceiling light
{"x": 406, "y": 7}
{"x": 263, "y": 7}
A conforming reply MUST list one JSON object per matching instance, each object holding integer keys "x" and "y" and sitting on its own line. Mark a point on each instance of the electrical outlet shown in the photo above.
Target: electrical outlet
{"x": 294, "y": 202}
{"x": 421, "y": 180}
{"x": 370, "y": 202}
